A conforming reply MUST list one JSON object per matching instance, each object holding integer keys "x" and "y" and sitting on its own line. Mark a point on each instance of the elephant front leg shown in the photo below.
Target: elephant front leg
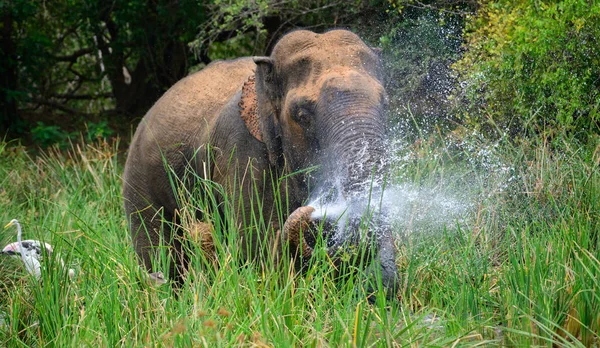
{"x": 389, "y": 269}
{"x": 384, "y": 271}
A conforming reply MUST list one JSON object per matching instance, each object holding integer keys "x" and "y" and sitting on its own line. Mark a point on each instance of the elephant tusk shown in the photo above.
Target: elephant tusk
{"x": 295, "y": 225}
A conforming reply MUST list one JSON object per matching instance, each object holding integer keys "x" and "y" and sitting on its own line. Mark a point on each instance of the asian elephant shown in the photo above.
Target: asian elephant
{"x": 316, "y": 102}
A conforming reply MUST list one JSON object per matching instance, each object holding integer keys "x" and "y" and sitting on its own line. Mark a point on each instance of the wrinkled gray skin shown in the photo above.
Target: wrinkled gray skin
{"x": 320, "y": 103}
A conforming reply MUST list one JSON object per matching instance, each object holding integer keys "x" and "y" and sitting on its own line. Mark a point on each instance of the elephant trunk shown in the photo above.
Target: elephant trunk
{"x": 356, "y": 144}
{"x": 297, "y": 224}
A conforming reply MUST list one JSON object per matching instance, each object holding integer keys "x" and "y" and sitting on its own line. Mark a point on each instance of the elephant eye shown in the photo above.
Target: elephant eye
{"x": 302, "y": 115}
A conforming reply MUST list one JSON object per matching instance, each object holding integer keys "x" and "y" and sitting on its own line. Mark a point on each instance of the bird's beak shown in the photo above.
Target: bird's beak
{"x": 11, "y": 249}
{"x": 9, "y": 224}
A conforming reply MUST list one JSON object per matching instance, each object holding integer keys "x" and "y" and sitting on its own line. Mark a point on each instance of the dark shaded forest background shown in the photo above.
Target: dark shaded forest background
{"x": 518, "y": 67}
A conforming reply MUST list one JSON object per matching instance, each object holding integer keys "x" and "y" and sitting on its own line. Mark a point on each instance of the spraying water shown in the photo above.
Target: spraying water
{"x": 406, "y": 207}
{"x": 444, "y": 201}
{"x": 410, "y": 201}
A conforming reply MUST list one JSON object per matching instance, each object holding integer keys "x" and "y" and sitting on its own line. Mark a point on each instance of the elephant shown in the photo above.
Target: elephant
{"x": 317, "y": 102}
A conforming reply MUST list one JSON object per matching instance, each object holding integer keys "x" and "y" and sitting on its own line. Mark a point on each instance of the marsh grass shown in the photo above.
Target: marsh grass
{"x": 519, "y": 269}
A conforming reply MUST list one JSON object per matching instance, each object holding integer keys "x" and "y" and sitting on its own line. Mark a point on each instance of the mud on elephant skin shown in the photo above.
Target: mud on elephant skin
{"x": 316, "y": 101}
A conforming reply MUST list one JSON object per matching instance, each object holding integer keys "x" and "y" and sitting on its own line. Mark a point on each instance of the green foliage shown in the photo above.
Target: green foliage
{"x": 533, "y": 64}
{"x": 237, "y": 27}
{"x": 98, "y": 131}
{"x": 45, "y": 136}
{"x": 234, "y": 17}
{"x": 447, "y": 6}
{"x": 86, "y": 58}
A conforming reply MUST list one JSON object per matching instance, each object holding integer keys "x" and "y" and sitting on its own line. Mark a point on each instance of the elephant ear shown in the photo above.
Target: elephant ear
{"x": 265, "y": 78}
{"x": 249, "y": 108}
{"x": 269, "y": 97}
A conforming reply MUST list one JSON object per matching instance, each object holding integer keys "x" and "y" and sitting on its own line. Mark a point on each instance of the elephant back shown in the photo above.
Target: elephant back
{"x": 193, "y": 104}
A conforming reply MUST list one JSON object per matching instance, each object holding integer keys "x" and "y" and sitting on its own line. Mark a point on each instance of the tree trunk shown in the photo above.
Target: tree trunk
{"x": 164, "y": 63}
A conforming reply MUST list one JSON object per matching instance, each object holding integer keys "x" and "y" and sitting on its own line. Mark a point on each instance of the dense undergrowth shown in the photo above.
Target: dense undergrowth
{"x": 518, "y": 267}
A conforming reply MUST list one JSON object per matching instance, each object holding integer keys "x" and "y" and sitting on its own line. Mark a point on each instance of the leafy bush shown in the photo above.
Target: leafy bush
{"x": 45, "y": 136}
{"x": 533, "y": 65}
{"x": 99, "y": 130}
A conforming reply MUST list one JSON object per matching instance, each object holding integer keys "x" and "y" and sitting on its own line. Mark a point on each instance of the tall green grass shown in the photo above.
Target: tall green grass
{"x": 521, "y": 268}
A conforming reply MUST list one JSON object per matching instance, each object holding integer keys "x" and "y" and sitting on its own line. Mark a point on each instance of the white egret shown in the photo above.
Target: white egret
{"x": 30, "y": 251}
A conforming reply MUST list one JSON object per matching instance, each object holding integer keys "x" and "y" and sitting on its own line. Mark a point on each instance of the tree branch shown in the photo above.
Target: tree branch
{"x": 81, "y": 96}
{"x": 60, "y": 107}
{"x": 85, "y": 78}
{"x": 74, "y": 56}
{"x": 69, "y": 31}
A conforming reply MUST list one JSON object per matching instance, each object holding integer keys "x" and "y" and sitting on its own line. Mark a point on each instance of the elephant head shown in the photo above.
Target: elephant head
{"x": 321, "y": 103}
